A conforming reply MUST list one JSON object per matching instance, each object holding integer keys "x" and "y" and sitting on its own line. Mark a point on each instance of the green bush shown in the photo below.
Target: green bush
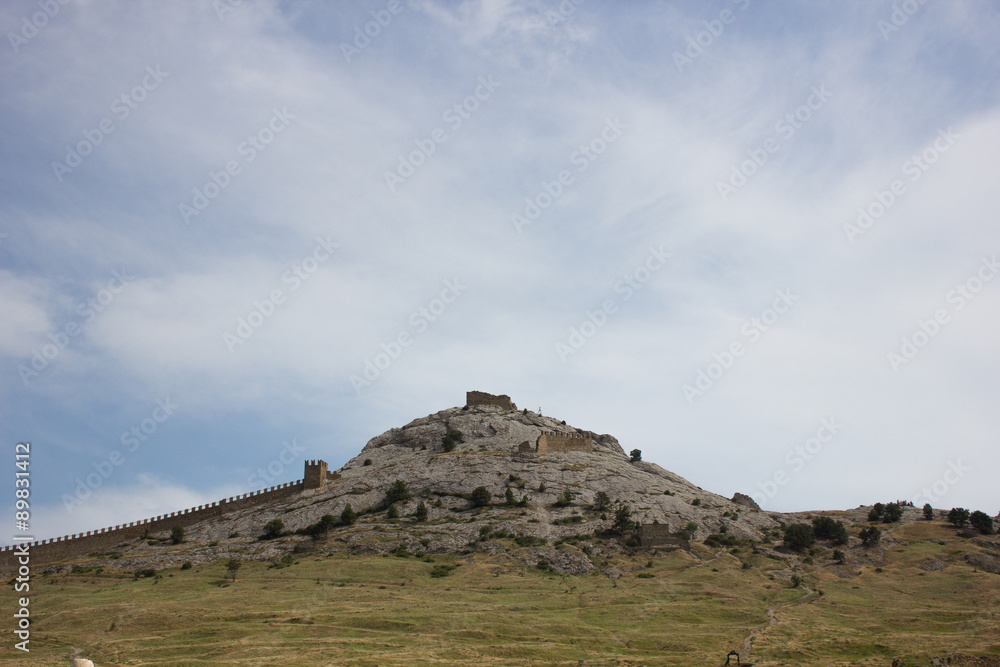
{"x": 799, "y": 536}
{"x": 696, "y": 501}
{"x": 893, "y": 513}
{"x": 421, "y": 513}
{"x": 273, "y": 529}
{"x": 481, "y": 497}
{"x": 602, "y": 502}
{"x": 958, "y": 516}
{"x": 875, "y": 513}
{"x": 348, "y": 515}
{"x": 145, "y": 572}
{"x": 838, "y": 555}
{"x": 186, "y": 565}
{"x": 688, "y": 531}
{"x": 367, "y": 462}
{"x": 635, "y": 455}
{"x": 623, "y": 522}
{"x": 392, "y": 512}
{"x": 177, "y": 534}
{"x": 928, "y": 511}
{"x": 397, "y": 493}
{"x": 870, "y": 536}
{"x": 982, "y": 522}
{"x": 828, "y": 529}
{"x": 564, "y": 499}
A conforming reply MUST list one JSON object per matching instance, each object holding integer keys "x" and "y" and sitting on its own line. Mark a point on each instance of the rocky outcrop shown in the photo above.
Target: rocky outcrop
{"x": 745, "y": 500}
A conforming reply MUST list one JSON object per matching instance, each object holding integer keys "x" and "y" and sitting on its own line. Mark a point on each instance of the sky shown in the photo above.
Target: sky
{"x": 756, "y": 241}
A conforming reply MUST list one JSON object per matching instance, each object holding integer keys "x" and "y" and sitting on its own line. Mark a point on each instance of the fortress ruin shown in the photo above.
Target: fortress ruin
{"x": 550, "y": 442}
{"x": 316, "y": 476}
{"x": 473, "y": 398}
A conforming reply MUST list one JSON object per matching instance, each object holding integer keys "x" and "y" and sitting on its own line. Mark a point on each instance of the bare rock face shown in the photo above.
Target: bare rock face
{"x": 745, "y": 500}
{"x": 485, "y": 454}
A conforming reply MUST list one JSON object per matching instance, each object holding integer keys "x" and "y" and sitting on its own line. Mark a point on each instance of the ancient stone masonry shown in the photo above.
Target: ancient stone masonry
{"x": 658, "y": 535}
{"x": 473, "y": 398}
{"x": 550, "y": 442}
{"x": 104, "y": 539}
{"x": 317, "y": 475}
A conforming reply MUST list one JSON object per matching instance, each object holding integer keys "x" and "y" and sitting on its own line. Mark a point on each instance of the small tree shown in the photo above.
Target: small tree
{"x": 982, "y": 522}
{"x": 799, "y": 536}
{"x": 870, "y": 536}
{"x": 481, "y": 497}
{"x": 623, "y": 522}
{"x": 421, "y": 513}
{"x": 233, "y": 567}
{"x": 397, "y": 493}
{"x": 564, "y": 499}
{"x": 508, "y": 497}
{"x": 348, "y": 515}
{"x": 392, "y": 512}
{"x": 838, "y": 555}
{"x": 177, "y": 534}
{"x": 928, "y": 511}
{"x": 893, "y": 513}
{"x": 602, "y": 502}
{"x": 958, "y": 516}
{"x": 273, "y": 529}
{"x": 635, "y": 455}
{"x": 875, "y": 513}
{"x": 688, "y": 531}
{"x": 828, "y": 529}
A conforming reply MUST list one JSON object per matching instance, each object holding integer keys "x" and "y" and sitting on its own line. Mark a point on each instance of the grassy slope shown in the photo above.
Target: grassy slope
{"x": 371, "y": 610}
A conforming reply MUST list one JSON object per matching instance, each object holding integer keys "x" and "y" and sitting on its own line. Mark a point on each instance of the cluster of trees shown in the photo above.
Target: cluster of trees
{"x": 889, "y": 513}
{"x": 801, "y": 536}
{"x": 981, "y": 521}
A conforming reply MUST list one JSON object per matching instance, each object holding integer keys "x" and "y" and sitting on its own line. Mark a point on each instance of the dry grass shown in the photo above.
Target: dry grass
{"x": 372, "y": 610}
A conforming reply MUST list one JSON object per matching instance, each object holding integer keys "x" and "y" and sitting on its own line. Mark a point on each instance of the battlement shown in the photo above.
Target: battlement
{"x": 473, "y": 398}
{"x": 78, "y": 544}
{"x": 551, "y": 442}
{"x": 317, "y": 475}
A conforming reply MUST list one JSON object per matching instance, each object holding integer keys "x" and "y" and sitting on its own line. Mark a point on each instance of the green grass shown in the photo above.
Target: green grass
{"x": 370, "y": 610}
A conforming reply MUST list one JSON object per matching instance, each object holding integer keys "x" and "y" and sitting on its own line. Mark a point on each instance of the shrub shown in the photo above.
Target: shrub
{"x": 602, "y": 502}
{"x": 442, "y": 570}
{"x": 145, "y": 572}
{"x": 893, "y": 513}
{"x": 273, "y": 529}
{"x": 421, "y": 513}
{"x": 688, "y": 531}
{"x": 623, "y": 522}
{"x": 177, "y": 534}
{"x": 322, "y": 527}
{"x": 696, "y": 501}
{"x": 635, "y": 455}
{"x": 565, "y": 499}
{"x": 392, "y": 512}
{"x": 870, "y": 536}
{"x": 796, "y": 579}
{"x": 509, "y": 497}
{"x": 397, "y": 493}
{"x": 233, "y": 567}
{"x": 186, "y": 565}
{"x": 982, "y": 522}
{"x": 828, "y": 529}
{"x": 367, "y": 462}
{"x": 447, "y": 444}
{"x": 348, "y": 515}
{"x": 928, "y": 511}
{"x": 543, "y": 565}
{"x": 481, "y": 497}
{"x": 838, "y": 555}
{"x": 958, "y": 516}
{"x": 799, "y": 536}
{"x": 875, "y": 513}
{"x": 541, "y": 487}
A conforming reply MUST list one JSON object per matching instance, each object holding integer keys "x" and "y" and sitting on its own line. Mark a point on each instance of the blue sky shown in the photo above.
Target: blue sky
{"x": 755, "y": 241}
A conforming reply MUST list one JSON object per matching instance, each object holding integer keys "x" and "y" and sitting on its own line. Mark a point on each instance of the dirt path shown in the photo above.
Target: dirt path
{"x": 772, "y": 619}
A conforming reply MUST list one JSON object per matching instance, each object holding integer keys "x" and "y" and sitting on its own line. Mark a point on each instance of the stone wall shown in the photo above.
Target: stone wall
{"x": 550, "y": 442}
{"x": 473, "y": 398}
{"x": 658, "y": 535}
{"x": 81, "y": 544}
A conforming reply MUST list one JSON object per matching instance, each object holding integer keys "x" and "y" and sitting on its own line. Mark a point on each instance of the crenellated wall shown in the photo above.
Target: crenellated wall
{"x": 502, "y": 401}
{"x": 104, "y": 539}
{"x": 550, "y": 442}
